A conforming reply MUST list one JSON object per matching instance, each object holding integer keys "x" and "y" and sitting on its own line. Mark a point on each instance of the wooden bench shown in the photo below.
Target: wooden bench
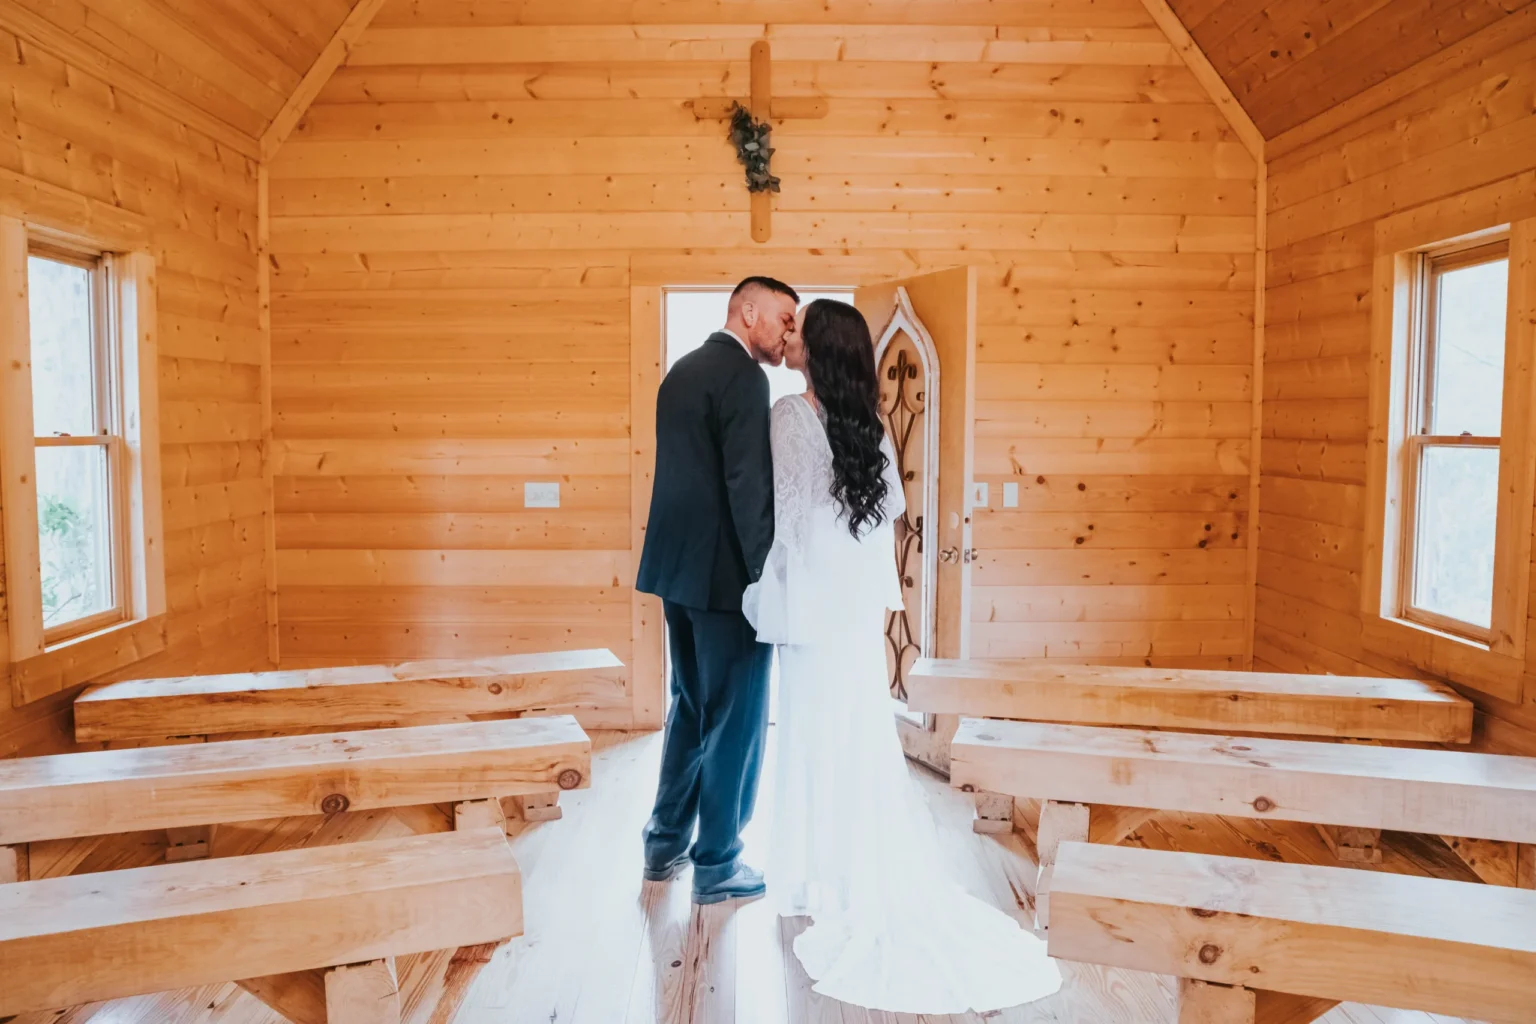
{"x": 1257, "y": 941}
{"x": 189, "y": 786}
{"x": 357, "y": 696}
{"x": 1100, "y": 784}
{"x": 1209, "y": 700}
{"x": 360, "y": 696}
{"x": 268, "y": 917}
{"x": 1212, "y": 700}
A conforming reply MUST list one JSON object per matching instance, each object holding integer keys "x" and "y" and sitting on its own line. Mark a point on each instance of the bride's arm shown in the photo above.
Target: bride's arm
{"x": 793, "y": 474}
{"x": 766, "y": 603}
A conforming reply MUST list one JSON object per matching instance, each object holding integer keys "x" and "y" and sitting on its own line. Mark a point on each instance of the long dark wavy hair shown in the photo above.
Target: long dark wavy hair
{"x": 840, "y": 362}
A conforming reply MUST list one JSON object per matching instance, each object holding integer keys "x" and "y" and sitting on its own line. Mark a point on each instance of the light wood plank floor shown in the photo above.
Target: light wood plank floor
{"x": 602, "y": 947}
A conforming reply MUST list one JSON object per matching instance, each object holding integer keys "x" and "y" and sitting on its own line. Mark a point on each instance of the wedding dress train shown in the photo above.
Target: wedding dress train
{"x": 853, "y": 842}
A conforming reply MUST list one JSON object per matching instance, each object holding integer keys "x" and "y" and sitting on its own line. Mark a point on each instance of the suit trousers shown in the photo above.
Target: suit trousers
{"x": 716, "y": 733}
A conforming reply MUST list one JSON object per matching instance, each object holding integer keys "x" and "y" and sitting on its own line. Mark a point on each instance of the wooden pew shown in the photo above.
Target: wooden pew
{"x": 1289, "y": 940}
{"x": 1079, "y": 770}
{"x": 187, "y": 786}
{"x": 1209, "y": 700}
{"x": 356, "y": 696}
{"x": 81, "y": 938}
{"x": 1198, "y": 699}
{"x": 360, "y": 696}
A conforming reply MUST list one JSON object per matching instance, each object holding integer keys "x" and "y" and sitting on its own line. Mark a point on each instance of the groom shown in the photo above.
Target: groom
{"x": 710, "y": 528}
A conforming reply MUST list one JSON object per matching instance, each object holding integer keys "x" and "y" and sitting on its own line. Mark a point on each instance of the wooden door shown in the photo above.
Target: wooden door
{"x": 925, "y": 331}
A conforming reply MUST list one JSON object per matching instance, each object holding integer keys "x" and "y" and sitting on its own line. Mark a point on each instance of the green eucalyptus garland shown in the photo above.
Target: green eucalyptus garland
{"x": 751, "y": 138}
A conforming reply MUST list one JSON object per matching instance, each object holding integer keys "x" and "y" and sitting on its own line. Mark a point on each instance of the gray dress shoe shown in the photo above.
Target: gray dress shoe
{"x": 667, "y": 871}
{"x": 744, "y": 884}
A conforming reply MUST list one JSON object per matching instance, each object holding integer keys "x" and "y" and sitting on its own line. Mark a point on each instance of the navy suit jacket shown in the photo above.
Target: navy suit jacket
{"x": 711, "y": 519}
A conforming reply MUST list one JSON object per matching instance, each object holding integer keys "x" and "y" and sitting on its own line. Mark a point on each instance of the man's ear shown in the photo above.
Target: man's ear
{"x": 749, "y": 313}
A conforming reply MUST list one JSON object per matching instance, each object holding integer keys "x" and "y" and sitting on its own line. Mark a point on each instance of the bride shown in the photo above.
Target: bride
{"x": 853, "y": 843}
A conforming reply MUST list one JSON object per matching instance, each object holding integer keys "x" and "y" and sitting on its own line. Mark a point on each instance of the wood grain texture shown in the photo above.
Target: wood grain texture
{"x": 639, "y": 953}
{"x": 1486, "y": 796}
{"x": 133, "y": 790}
{"x": 378, "y": 695}
{"x": 330, "y": 57}
{"x": 227, "y": 71}
{"x": 1288, "y": 63}
{"x": 1215, "y": 700}
{"x": 1333, "y": 933}
{"x": 18, "y": 467}
{"x": 70, "y": 940}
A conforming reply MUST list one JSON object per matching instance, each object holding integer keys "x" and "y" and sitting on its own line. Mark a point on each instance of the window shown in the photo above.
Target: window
{"x": 79, "y": 456}
{"x": 1450, "y": 470}
{"x": 78, "y": 440}
{"x": 1451, "y": 480}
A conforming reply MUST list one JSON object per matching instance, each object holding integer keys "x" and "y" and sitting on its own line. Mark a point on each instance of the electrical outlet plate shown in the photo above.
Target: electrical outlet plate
{"x": 541, "y": 495}
{"x": 1010, "y": 495}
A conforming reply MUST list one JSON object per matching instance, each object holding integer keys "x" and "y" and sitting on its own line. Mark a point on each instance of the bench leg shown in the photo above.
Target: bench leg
{"x": 13, "y": 863}
{"x": 1285, "y": 1008}
{"x": 1204, "y": 1002}
{"x": 994, "y": 813}
{"x": 367, "y": 993}
{"x": 1113, "y": 825}
{"x": 298, "y": 996}
{"x": 538, "y": 806}
{"x": 1059, "y": 823}
{"x": 1497, "y": 863}
{"x": 1352, "y": 845}
{"x": 194, "y": 842}
{"x": 478, "y": 814}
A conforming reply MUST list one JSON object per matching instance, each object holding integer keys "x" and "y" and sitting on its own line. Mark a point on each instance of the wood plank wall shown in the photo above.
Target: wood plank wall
{"x": 458, "y": 220}
{"x": 64, "y": 127}
{"x": 1442, "y": 131}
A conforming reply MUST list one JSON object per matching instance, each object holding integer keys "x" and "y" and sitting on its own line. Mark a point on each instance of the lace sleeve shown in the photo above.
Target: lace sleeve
{"x": 794, "y": 473}
{"x": 770, "y": 604}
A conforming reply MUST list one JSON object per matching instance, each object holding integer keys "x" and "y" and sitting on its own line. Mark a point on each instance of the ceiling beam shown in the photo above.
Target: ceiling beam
{"x": 1206, "y": 75}
{"x": 320, "y": 72}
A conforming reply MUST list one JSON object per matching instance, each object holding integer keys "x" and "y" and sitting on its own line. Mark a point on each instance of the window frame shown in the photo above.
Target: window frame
{"x": 47, "y": 660}
{"x": 107, "y": 383}
{"x": 1428, "y": 266}
{"x": 1493, "y": 663}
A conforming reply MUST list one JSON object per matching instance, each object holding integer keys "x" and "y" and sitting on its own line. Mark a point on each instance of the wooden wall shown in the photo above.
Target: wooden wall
{"x": 1424, "y": 135}
{"x": 459, "y": 219}
{"x": 84, "y": 136}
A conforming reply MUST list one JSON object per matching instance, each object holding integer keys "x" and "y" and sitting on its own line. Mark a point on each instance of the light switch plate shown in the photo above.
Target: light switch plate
{"x": 1010, "y": 495}
{"x": 979, "y": 494}
{"x": 541, "y": 495}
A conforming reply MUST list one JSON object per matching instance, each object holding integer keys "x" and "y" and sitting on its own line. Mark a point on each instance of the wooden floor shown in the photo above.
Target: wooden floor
{"x": 603, "y": 948}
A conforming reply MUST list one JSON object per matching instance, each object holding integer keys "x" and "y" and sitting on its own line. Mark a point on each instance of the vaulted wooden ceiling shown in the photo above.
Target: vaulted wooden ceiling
{"x": 1287, "y": 61}
{"x": 237, "y": 60}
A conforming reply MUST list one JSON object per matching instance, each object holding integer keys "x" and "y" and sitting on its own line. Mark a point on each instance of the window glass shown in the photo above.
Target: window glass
{"x": 63, "y": 348}
{"x": 1454, "y": 527}
{"x": 74, "y": 525}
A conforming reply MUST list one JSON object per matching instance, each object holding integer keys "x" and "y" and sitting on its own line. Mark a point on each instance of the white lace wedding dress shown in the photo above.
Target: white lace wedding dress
{"x": 853, "y": 842}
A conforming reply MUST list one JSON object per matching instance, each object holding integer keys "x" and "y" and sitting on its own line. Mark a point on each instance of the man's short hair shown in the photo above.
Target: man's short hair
{"x": 772, "y": 284}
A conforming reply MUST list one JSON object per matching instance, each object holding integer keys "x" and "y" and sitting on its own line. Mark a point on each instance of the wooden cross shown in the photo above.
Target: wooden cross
{"x": 763, "y": 106}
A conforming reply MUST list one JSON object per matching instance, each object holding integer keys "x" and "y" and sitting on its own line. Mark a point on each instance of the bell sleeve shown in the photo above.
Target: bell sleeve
{"x": 770, "y": 604}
